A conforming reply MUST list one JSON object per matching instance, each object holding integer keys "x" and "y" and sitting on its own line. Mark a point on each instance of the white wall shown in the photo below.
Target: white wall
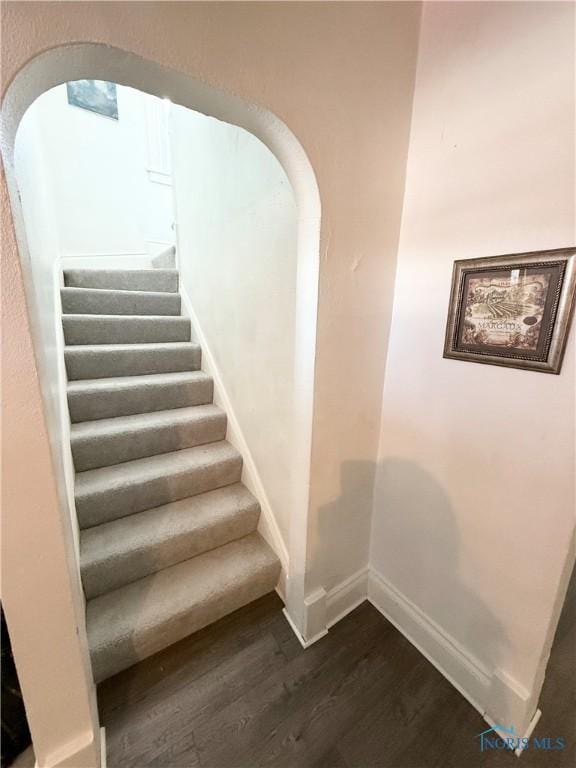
{"x": 237, "y": 254}
{"x": 106, "y": 192}
{"x": 85, "y": 189}
{"x": 36, "y": 193}
{"x": 474, "y": 502}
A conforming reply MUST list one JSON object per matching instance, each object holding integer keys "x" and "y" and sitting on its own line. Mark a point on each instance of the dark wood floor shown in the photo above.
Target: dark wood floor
{"x": 243, "y": 693}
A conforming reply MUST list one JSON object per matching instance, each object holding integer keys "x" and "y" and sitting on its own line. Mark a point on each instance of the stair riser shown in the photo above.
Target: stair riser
{"x": 130, "y": 280}
{"x": 87, "y": 406}
{"x": 124, "y": 652}
{"x": 113, "y": 503}
{"x": 106, "y": 574}
{"x": 124, "y": 330}
{"x": 100, "y": 302}
{"x": 98, "y": 364}
{"x": 107, "y": 450}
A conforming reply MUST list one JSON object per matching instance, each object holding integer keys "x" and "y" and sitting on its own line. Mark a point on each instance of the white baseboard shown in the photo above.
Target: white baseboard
{"x": 79, "y": 752}
{"x": 346, "y": 596}
{"x": 496, "y": 696}
{"x": 500, "y": 700}
{"x": 324, "y": 609}
{"x": 303, "y": 642}
{"x": 522, "y": 740}
{"x": 465, "y": 673}
{"x": 103, "y": 757}
{"x": 267, "y": 525}
{"x": 65, "y": 446}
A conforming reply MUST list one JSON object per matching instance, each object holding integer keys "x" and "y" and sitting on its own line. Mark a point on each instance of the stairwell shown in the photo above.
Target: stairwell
{"x": 168, "y": 540}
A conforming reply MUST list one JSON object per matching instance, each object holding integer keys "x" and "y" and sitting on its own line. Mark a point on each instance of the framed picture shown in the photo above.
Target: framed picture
{"x": 94, "y": 95}
{"x": 512, "y": 310}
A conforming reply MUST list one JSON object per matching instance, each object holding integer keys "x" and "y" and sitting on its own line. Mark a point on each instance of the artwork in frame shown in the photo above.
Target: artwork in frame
{"x": 94, "y": 95}
{"x": 512, "y": 310}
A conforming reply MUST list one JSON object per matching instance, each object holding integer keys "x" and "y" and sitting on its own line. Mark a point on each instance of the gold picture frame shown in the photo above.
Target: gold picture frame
{"x": 512, "y": 310}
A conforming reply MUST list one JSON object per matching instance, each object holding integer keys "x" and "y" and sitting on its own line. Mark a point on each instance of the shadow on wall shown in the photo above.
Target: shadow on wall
{"x": 415, "y": 535}
{"x": 350, "y": 515}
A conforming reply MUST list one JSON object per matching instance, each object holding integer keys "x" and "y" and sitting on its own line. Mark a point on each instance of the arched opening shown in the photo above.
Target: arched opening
{"x": 95, "y": 61}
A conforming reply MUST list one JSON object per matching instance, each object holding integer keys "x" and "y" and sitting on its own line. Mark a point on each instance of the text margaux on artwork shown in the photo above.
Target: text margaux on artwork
{"x": 499, "y": 326}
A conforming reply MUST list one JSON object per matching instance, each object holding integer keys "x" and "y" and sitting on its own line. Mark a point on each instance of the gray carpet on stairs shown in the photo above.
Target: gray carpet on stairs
{"x": 168, "y": 540}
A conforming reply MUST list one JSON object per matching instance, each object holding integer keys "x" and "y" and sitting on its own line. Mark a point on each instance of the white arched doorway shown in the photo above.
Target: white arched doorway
{"x": 87, "y": 60}
{"x": 97, "y": 61}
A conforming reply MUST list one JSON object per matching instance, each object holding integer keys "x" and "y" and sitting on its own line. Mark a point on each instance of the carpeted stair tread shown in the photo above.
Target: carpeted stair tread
{"x": 142, "y": 618}
{"x": 95, "y": 361}
{"x": 124, "y": 329}
{"x": 98, "y": 301}
{"x": 92, "y": 399}
{"x": 159, "y": 280}
{"x": 112, "y": 441}
{"x": 112, "y": 492}
{"x": 122, "y": 551}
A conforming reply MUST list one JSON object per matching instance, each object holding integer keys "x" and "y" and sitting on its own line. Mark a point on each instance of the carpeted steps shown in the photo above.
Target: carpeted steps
{"x": 157, "y": 280}
{"x": 132, "y": 547}
{"x": 125, "y": 395}
{"x": 135, "y": 621}
{"x": 96, "y": 361}
{"x": 168, "y": 539}
{"x": 100, "y": 301}
{"x": 111, "y": 492}
{"x": 111, "y": 441}
{"x": 124, "y": 329}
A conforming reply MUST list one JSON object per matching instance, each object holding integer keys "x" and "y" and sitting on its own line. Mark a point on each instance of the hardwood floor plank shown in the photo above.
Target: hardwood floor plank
{"x": 190, "y": 702}
{"x": 243, "y": 693}
{"x": 251, "y": 723}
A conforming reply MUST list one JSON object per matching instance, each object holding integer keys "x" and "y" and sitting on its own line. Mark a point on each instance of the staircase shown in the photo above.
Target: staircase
{"x": 168, "y": 540}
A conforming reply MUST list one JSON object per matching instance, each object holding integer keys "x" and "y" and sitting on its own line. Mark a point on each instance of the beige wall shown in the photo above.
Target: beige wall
{"x": 475, "y": 466}
{"x": 340, "y": 76}
{"x": 474, "y": 504}
{"x": 288, "y": 57}
{"x": 40, "y": 589}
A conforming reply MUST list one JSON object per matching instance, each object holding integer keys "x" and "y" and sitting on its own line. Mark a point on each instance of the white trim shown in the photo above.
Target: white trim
{"x": 63, "y": 412}
{"x": 346, "y": 596}
{"x": 267, "y": 525}
{"x": 465, "y": 672}
{"x": 75, "y": 753}
{"x": 157, "y": 112}
{"x": 322, "y": 610}
{"x": 159, "y": 177}
{"x": 495, "y": 694}
{"x": 527, "y": 733}
{"x": 304, "y": 643}
{"x": 103, "y": 756}
{"x": 509, "y": 702}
